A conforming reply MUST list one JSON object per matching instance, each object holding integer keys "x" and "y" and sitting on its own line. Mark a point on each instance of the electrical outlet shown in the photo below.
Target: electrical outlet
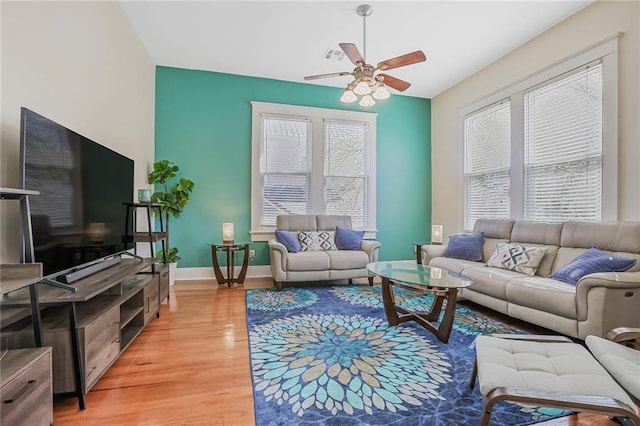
{"x": 252, "y": 254}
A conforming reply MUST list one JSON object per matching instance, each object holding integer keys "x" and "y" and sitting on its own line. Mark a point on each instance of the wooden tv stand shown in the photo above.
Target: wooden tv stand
{"x": 89, "y": 328}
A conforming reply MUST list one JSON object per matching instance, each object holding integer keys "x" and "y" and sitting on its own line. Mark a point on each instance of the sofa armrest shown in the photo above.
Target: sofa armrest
{"x": 612, "y": 296}
{"x": 278, "y": 255}
{"x": 429, "y": 251}
{"x": 371, "y": 247}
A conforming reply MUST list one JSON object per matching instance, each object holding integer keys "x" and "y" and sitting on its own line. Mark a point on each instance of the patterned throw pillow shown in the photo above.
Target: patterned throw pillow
{"x": 592, "y": 261}
{"x": 316, "y": 241}
{"x": 348, "y": 239}
{"x": 518, "y": 258}
{"x": 289, "y": 240}
{"x": 465, "y": 246}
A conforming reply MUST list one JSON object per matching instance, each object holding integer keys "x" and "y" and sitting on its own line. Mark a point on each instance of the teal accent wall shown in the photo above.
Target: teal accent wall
{"x": 203, "y": 124}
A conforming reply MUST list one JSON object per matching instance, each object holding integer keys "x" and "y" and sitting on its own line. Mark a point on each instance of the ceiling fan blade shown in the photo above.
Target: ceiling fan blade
{"x": 401, "y": 61}
{"x": 352, "y": 52}
{"x": 332, "y": 74}
{"x": 396, "y": 83}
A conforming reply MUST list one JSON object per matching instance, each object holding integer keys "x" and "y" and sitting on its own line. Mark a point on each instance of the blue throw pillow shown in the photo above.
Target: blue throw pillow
{"x": 289, "y": 240}
{"x": 465, "y": 246}
{"x": 348, "y": 239}
{"x": 592, "y": 261}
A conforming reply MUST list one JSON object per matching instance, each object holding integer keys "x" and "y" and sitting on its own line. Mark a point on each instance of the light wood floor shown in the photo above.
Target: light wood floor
{"x": 190, "y": 367}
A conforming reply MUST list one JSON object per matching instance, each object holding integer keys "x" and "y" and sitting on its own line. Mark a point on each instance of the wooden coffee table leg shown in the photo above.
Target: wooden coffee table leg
{"x": 389, "y": 302}
{"x": 444, "y": 330}
{"x": 436, "y": 308}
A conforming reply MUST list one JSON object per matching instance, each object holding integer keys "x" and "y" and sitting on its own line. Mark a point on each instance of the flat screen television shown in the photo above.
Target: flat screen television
{"x": 79, "y": 215}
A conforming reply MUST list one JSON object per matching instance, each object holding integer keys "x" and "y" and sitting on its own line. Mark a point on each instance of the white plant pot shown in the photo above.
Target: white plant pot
{"x": 172, "y": 272}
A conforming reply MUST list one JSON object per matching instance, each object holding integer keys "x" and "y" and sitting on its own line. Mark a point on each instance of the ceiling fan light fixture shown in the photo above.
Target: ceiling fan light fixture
{"x": 367, "y": 101}
{"x": 381, "y": 92}
{"x": 362, "y": 88}
{"x": 348, "y": 96}
{"x": 367, "y": 80}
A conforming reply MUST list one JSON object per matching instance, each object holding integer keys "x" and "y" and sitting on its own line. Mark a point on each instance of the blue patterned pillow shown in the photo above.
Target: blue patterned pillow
{"x": 465, "y": 246}
{"x": 592, "y": 261}
{"x": 348, "y": 239}
{"x": 289, "y": 240}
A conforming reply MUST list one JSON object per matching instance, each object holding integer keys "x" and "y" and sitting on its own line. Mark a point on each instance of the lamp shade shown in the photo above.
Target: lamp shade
{"x": 436, "y": 234}
{"x": 362, "y": 88}
{"x": 366, "y": 101}
{"x": 381, "y": 93}
{"x": 348, "y": 96}
{"x": 227, "y": 232}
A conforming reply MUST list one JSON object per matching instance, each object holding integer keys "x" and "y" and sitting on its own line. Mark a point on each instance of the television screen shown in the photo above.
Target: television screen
{"x": 79, "y": 215}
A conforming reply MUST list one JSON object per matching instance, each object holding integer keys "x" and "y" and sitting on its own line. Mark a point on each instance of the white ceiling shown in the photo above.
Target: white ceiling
{"x": 288, "y": 40}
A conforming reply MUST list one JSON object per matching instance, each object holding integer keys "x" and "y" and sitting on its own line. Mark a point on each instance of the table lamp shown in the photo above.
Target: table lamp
{"x": 436, "y": 234}
{"x": 227, "y": 233}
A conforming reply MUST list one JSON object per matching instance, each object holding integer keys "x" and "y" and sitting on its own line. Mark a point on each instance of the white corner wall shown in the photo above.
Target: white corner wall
{"x": 81, "y": 65}
{"x": 589, "y": 26}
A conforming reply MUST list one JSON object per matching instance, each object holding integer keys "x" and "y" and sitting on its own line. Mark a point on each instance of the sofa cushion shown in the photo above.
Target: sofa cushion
{"x": 289, "y": 240}
{"x": 296, "y": 222}
{"x": 536, "y": 232}
{"x": 544, "y": 294}
{"x": 348, "y": 239}
{"x": 347, "y": 259}
{"x": 547, "y": 367}
{"x": 308, "y": 261}
{"x": 490, "y": 281}
{"x": 494, "y": 228}
{"x": 518, "y": 258}
{"x": 328, "y": 222}
{"x": 451, "y": 264}
{"x": 315, "y": 241}
{"x": 623, "y": 363}
{"x": 610, "y": 236}
{"x": 465, "y": 246}
{"x": 592, "y": 261}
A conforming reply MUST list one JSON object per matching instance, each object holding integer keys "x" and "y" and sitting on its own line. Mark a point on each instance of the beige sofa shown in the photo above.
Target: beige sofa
{"x": 319, "y": 265}
{"x": 598, "y": 303}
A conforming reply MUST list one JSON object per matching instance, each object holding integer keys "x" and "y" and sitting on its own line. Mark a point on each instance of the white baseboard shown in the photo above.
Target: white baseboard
{"x": 206, "y": 273}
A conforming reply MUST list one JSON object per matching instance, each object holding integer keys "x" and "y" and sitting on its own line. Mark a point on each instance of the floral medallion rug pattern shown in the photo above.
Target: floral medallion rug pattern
{"x": 326, "y": 356}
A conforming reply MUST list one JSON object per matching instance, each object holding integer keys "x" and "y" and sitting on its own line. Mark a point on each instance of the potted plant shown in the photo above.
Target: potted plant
{"x": 173, "y": 197}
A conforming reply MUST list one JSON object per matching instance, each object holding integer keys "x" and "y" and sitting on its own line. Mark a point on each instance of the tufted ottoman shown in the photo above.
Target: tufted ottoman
{"x": 549, "y": 371}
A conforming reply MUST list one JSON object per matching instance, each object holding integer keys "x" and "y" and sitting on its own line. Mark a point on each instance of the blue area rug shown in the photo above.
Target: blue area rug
{"x": 326, "y": 356}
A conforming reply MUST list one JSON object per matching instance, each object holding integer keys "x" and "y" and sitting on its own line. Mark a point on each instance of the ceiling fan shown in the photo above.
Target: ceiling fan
{"x": 367, "y": 83}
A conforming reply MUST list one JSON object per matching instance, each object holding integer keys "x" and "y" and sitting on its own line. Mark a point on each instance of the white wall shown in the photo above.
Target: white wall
{"x": 589, "y": 26}
{"x": 81, "y": 65}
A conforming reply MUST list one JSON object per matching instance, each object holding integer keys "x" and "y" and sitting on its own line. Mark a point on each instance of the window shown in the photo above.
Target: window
{"x": 545, "y": 149}
{"x": 487, "y": 136}
{"x": 563, "y": 148}
{"x": 311, "y": 161}
{"x": 345, "y": 171}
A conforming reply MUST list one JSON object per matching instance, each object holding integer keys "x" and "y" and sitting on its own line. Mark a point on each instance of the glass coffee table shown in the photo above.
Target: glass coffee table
{"x": 408, "y": 275}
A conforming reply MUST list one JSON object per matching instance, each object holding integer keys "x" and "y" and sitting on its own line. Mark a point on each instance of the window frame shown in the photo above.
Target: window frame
{"x": 316, "y": 117}
{"x": 606, "y": 51}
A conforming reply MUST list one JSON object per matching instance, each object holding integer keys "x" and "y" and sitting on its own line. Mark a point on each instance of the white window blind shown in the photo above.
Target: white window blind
{"x": 285, "y": 168}
{"x": 563, "y": 148}
{"x": 345, "y": 171}
{"x": 487, "y": 144}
